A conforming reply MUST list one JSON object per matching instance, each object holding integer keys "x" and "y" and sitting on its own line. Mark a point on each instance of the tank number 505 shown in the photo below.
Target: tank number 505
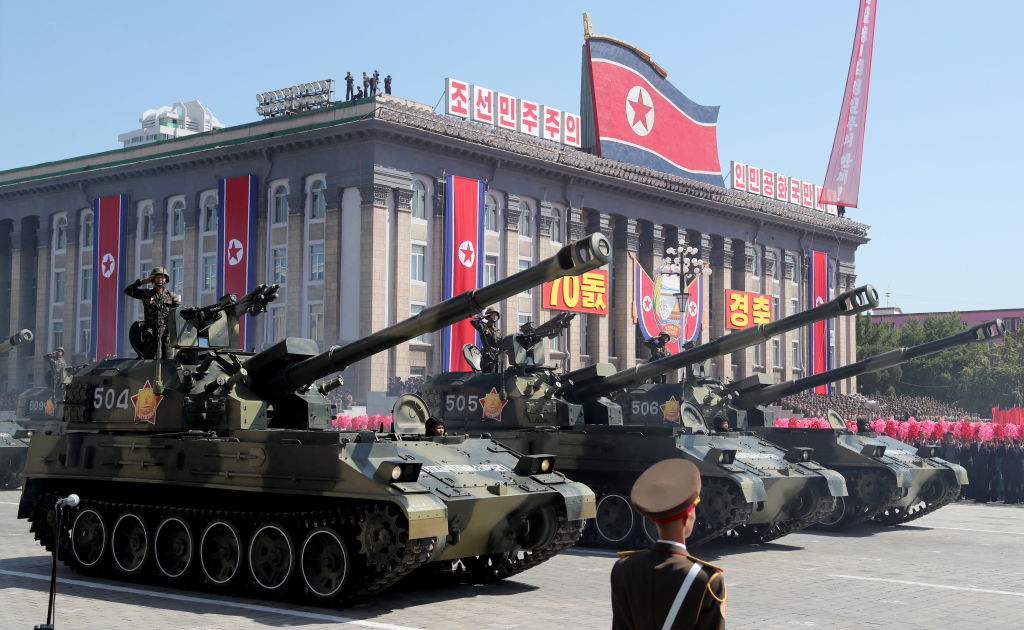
{"x": 646, "y": 408}
{"x": 453, "y": 402}
{"x": 108, "y": 398}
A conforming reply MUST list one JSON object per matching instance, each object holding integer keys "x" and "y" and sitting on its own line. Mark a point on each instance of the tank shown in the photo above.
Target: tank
{"x": 217, "y": 469}
{"x": 746, "y": 481}
{"x": 13, "y": 436}
{"x": 888, "y": 481}
{"x": 22, "y": 336}
{"x": 38, "y": 408}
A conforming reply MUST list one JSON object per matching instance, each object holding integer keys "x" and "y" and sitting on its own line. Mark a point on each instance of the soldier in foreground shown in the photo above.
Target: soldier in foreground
{"x": 665, "y": 587}
{"x": 490, "y": 336}
{"x": 157, "y": 304}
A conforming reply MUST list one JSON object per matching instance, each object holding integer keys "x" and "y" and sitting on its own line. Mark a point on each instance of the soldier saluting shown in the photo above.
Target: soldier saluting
{"x": 665, "y": 587}
{"x": 491, "y": 336}
{"x": 659, "y": 350}
{"x": 57, "y": 365}
{"x": 157, "y": 305}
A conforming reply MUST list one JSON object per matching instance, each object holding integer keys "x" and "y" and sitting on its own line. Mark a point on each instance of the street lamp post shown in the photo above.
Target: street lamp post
{"x": 683, "y": 264}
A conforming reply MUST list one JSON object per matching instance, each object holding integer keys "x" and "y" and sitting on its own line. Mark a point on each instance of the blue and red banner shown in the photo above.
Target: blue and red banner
{"x": 821, "y": 332}
{"x": 110, "y": 220}
{"x": 694, "y": 310}
{"x": 236, "y": 236}
{"x": 645, "y": 309}
{"x": 842, "y": 179}
{"x": 633, "y": 114}
{"x": 463, "y": 271}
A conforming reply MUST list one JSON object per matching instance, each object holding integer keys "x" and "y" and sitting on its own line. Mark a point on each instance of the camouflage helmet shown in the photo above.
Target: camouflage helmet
{"x": 160, "y": 271}
{"x": 59, "y": 349}
{"x": 490, "y": 312}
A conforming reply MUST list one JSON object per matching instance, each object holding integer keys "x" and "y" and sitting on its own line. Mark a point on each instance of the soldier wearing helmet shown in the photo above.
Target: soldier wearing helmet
{"x": 57, "y": 365}
{"x": 491, "y": 336}
{"x": 157, "y": 305}
{"x": 659, "y": 350}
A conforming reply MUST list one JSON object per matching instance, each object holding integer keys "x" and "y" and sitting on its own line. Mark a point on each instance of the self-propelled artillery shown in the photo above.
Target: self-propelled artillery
{"x": 218, "y": 468}
{"x": 888, "y": 480}
{"x": 608, "y": 444}
{"x": 13, "y": 436}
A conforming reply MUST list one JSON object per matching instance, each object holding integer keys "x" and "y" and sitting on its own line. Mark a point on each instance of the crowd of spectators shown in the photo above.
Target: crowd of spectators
{"x": 341, "y": 398}
{"x": 397, "y": 386}
{"x": 995, "y": 467}
{"x": 859, "y": 406}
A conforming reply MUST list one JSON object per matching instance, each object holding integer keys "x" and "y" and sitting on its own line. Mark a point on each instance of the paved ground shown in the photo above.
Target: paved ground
{"x": 962, "y": 566}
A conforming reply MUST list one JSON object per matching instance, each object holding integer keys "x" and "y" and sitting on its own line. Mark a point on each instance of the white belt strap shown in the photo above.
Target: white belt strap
{"x": 680, "y": 596}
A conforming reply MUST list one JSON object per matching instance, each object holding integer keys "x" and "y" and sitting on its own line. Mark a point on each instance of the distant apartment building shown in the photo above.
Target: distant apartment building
{"x": 176, "y": 121}
{"x": 1014, "y": 317}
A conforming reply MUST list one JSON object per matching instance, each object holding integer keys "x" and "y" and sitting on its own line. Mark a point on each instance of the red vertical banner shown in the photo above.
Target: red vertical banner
{"x": 463, "y": 238}
{"x": 110, "y": 217}
{"x": 820, "y": 331}
{"x": 842, "y": 179}
{"x": 236, "y": 236}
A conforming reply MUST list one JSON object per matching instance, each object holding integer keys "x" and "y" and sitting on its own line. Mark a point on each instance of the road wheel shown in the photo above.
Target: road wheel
{"x": 172, "y": 547}
{"x": 615, "y": 518}
{"x": 88, "y": 537}
{"x": 220, "y": 552}
{"x": 324, "y": 563}
{"x": 129, "y": 543}
{"x": 271, "y": 556}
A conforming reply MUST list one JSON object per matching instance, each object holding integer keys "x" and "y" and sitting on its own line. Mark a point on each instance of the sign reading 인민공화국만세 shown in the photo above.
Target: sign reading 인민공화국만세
{"x": 744, "y": 309}
{"x": 486, "y": 106}
{"x": 759, "y": 181}
{"x": 586, "y": 293}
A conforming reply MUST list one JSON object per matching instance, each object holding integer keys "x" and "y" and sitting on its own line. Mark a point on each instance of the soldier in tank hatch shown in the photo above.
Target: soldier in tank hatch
{"x": 491, "y": 336}
{"x": 665, "y": 587}
{"x": 55, "y": 361}
{"x": 158, "y": 304}
{"x": 657, "y": 346}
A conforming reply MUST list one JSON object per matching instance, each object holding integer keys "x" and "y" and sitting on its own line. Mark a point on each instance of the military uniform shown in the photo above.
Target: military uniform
{"x": 659, "y": 351}
{"x": 490, "y": 336}
{"x": 664, "y": 587}
{"x": 57, "y": 364}
{"x": 157, "y": 307}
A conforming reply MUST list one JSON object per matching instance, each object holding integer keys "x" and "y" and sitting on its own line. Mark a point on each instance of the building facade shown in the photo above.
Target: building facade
{"x": 350, "y": 225}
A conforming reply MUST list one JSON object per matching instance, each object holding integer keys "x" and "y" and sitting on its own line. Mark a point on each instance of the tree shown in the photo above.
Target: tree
{"x": 875, "y": 339}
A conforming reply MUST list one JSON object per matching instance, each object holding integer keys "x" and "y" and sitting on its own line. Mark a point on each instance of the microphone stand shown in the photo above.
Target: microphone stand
{"x": 57, "y": 510}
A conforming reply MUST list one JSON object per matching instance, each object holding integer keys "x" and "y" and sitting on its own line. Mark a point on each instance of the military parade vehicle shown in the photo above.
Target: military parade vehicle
{"x": 888, "y": 480}
{"x": 39, "y": 408}
{"x": 748, "y": 485}
{"x": 13, "y": 436}
{"x": 218, "y": 467}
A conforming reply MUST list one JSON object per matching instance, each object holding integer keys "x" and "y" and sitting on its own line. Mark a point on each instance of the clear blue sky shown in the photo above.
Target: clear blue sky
{"x": 942, "y": 168}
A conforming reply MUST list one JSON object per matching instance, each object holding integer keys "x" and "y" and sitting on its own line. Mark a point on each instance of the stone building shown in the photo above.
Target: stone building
{"x": 350, "y": 224}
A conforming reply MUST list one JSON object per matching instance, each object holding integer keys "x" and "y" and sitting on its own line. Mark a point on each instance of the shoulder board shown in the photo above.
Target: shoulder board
{"x": 707, "y": 564}
{"x": 624, "y": 554}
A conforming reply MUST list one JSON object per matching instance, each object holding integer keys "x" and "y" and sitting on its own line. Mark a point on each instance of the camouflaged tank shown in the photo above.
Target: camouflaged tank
{"x": 746, "y": 482}
{"x": 219, "y": 468}
{"x": 888, "y": 481}
{"x": 38, "y": 408}
{"x": 13, "y": 436}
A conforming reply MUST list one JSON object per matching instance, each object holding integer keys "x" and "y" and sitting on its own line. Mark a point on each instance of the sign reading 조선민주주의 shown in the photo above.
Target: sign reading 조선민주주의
{"x": 486, "y": 106}
{"x": 744, "y": 309}
{"x": 759, "y": 181}
{"x": 586, "y": 293}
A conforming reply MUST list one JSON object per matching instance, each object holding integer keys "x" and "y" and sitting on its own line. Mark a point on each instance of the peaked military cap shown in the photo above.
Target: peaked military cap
{"x": 667, "y": 491}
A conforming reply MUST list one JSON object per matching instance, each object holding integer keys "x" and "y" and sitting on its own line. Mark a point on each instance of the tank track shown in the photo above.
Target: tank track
{"x": 411, "y": 555}
{"x": 861, "y": 508}
{"x": 722, "y": 509}
{"x": 767, "y": 532}
{"x": 899, "y": 515}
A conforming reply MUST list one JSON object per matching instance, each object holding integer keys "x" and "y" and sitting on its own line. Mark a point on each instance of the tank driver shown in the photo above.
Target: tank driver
{"x": 491, "y": 336}
{"x": 664, "y": 586}
{"x": 157, "y": 306}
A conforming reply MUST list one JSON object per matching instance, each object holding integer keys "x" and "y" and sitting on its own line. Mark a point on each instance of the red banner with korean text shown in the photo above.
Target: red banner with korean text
{"x": 463, "y": 237}
{"x": 110, "y": 219}
{"x": 236, "y": 236}
{"x": 744, "y": 309}
{"x": 842, "y": 179}
{"x": 586, "y": 293}
{"x": 821, "y": 332}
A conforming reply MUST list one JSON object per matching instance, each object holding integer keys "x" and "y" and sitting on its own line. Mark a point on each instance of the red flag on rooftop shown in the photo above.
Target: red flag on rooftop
{"x": 842, "y": 180}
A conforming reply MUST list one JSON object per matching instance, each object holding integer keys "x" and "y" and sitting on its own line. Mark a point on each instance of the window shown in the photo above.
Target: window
{"x": 490, "y": 270}
{"x": 280, "y": 213}
{"x": 84, "y": 335}
{"x": 178, "y": 218}
{"x": 85, "y": 286}
{"x": 776, "y": 315}
{"x": 524, "y": 318}
{"x": 795, "y": 359}
{"x": 777, "y": 352}
{"x": 759, "y": 355}
{"x": 318, "y": 201}
{"x": 58, "y": 286}
{"x": 794, "y": 306}
{"x": 556, "y": 225}
{"x": 210, "y": 214}
{"x": 755, "y": 269}
{"x": 416, "y": 309}
{"x": 87, "y": 228}
{"x": 491, "y": 214}
{"x": 316, "y": 322}
{"x": 280, "y": 265}
{"x": 523, "y": 266}
{"x": 60, "y": 236}
{"x": 58, "y": 335}
{"x": 558, "y": 343}
{"x": 419, "y": 200}
{"x": 524, "y": 219}
{"x": 316, "y": 263}
{"x": 209, "y": 273}
{"x": 146, "y": 223}
{"x": 417, "y": 263}
{"x": 177, "y": 275}
{"x": 277, "y": 323}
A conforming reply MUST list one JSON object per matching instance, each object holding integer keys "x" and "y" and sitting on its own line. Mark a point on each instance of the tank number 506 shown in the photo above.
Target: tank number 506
{"x": 108, "y": 398}
{"x": 646, "y": 408}
{"x": 461, "y": 403}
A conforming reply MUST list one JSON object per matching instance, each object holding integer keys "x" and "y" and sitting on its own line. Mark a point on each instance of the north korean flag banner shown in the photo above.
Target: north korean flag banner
{"x": 463, "y": 236}
{"x": 236, "y": 235}
{"x": 694, "y": 309}
{"x": 110, "y": 219}
{"x": 645, "y": 310}
{"x": 632, "y": 114}
{"x": 821, "y": 332}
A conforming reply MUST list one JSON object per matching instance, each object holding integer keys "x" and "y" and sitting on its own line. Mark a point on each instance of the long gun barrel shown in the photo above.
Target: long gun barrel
{"x": 981, "y": 332}
{"x": 574, "y": 259}
{"x": 850, "y": 303}
{"x": 20, "y": 337}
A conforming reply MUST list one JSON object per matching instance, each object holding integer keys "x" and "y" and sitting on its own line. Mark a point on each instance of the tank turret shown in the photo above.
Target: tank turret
{"x": 18, "y": 338}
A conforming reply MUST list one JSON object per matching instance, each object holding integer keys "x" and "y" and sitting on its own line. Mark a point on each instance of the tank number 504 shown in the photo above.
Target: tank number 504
{"x": 109, "y": 398}
{"x": 454, "y": 402}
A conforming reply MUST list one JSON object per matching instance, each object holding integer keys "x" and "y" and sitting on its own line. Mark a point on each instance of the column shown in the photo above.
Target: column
{"x": 625, "y": 241}
{"x": 723, "y": 259}
{"x": 374, "y": 280}
{"x": 598, "y": 329}
{"x": 403, "y": 216}
{"x": 510, "y": 308}
{"x": 576, "y": 228}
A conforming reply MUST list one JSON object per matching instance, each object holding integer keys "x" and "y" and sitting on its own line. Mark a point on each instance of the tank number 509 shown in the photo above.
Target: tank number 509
{"x": 646, "y": 408}
{"x": 461, "y": 402}
{"x": 108, "y": 398}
